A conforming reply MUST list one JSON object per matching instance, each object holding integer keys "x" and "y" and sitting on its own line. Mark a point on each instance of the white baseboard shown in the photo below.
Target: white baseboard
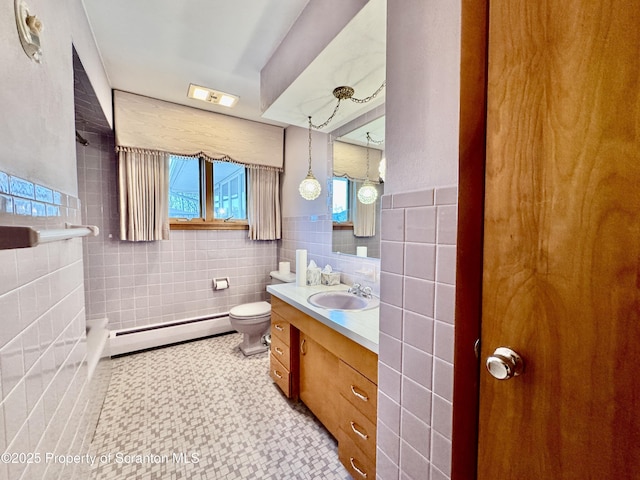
{"x": 132, "y": 340}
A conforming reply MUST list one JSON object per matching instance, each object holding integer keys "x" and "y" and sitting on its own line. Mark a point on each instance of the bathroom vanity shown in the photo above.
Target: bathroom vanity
{"x": 328, "y": 359}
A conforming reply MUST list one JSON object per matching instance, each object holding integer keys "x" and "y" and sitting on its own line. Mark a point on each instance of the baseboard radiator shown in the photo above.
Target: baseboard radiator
{"x": 150, "y": 336}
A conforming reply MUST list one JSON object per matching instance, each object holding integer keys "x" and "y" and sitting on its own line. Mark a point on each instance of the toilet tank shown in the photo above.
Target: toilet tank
{"x": 277, "y": 277}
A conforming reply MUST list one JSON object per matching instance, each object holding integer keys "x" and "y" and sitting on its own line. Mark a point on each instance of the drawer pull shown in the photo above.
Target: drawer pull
{"x": 362, "y": 397}
{"x": 277, "y": 373}
{"x": 302, "y": 346}
{"x": 362, "y": 474}
{"x": 364, "y": 436}
{"x": 278, "y": 327}
{"x": 279, "y": 351}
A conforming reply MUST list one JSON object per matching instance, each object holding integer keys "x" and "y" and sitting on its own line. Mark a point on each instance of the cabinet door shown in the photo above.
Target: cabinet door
{"x": 318, "y": 390}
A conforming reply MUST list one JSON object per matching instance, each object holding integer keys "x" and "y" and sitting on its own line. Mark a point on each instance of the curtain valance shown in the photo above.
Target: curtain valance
{"x": 351, "y": 161}
{"x": 148, "y": 125}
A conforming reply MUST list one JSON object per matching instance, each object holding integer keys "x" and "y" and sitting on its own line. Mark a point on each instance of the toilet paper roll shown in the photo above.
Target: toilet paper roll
{"x": 222, "y": 284}
{"x": 284, "y": 267}
{"x": 361, "y": 251}
{"x": 301, "y": 268}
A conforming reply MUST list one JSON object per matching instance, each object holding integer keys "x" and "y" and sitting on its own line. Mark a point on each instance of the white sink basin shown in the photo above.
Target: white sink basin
{"x": 339, "y": 300}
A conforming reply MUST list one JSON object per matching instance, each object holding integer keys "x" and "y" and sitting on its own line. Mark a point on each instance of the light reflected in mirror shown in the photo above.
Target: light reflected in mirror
{"x": 356, "y": 226}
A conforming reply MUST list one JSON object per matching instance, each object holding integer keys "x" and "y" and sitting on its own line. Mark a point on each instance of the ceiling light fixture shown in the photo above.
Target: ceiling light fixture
{"x": 211, "y": 96}
{"x": 368, "y": 193}
{"x": 310, "y": 188}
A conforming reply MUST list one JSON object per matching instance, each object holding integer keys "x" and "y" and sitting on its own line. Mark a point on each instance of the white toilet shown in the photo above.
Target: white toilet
{"x": 253, "y": 320}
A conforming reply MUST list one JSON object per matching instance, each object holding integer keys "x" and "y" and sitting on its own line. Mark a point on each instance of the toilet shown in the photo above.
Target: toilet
{"x": 253, "y": 320}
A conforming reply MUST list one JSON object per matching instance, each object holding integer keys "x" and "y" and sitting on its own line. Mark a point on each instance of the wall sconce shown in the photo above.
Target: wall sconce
{"x": 310, "y": 188}
{"x": 29, "y": 29}
{"x": 368, "y": 192}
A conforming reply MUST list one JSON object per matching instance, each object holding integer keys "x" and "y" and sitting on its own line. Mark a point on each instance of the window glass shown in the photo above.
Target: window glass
{"x": 230, "y": 191}
{"x": 184, "y": 187}
{"x": 340, "y": 199}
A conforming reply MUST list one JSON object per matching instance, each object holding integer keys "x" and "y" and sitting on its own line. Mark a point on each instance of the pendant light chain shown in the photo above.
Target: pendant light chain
{"x": 310, "y": 188}
{"x": 310, "y": 125}
{"x": 322, "y": 125}
{"x": 370, "y": 97}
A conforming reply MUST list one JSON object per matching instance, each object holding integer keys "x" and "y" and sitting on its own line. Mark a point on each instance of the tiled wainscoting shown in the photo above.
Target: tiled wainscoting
{"x": 416, "y": 334}
{"x": 314, "y": 233}
{"x": 45, "y": 399}
{"x": 134, "y": 284}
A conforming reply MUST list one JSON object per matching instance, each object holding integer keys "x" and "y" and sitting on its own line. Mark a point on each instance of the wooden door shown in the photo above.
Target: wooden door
{"x": 561, "y": 273}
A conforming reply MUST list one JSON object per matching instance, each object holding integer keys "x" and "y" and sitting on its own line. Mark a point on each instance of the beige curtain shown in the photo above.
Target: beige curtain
{"x": 364, "y": 216}
{"x": 263, "y": 204}
{"x": 144, "y": 196}
{"x": 351, "y": 161}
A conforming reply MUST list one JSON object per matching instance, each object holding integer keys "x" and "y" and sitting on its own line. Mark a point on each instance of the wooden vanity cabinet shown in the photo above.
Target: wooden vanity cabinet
{"x": 358, "y": 417}
{"x": 318, "y": 375}
{"x": 336, "y": 378}
{"x": 283, "y": 367}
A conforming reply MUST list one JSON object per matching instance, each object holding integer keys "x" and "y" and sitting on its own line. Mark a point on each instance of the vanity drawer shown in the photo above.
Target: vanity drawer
{"x": 359, "y": 465}
{"x": 280, "y": 351}
{"x": 280, "y": 328}
{"x": 280, "y": 375}
{"x": 359, "y": 391}
{"x": 360, "y": 429}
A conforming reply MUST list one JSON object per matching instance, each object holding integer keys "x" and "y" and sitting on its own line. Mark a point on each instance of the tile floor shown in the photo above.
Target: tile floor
{"x": 218, "y": 409}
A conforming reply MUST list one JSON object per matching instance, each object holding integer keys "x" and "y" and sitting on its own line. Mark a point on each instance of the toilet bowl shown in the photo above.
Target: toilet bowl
{"x": 253, "y": 320}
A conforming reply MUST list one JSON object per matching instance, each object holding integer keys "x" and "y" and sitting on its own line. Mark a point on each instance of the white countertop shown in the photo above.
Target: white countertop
{"x": 360, "y": 326}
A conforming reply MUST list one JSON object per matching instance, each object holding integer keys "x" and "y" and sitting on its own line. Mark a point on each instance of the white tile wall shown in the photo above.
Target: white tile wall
{"x": 43, "y": 374}
{"x": 417, "y": 311}
{"x": 314, "y": 233}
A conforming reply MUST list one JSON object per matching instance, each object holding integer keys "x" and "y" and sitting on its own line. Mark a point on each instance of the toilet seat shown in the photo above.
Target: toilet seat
{"x": 250, "y": 311}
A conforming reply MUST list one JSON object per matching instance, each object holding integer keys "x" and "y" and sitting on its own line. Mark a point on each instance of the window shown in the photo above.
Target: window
{"x": 341, "y": 200}
{"x": 229, "y": 191}
{"x": 206, "y": 195}
{"x": 184, "y": 188}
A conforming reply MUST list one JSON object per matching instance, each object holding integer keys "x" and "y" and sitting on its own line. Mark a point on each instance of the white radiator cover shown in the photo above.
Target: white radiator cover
{"x": 134, "y": 339}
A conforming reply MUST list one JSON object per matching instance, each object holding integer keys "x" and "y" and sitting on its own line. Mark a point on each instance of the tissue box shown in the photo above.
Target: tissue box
{"x": 332, "y": 278}
{"x": 313, "y": 276}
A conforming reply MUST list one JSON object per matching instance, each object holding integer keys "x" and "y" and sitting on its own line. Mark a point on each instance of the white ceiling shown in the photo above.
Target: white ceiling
{"x": 157, "y": 47}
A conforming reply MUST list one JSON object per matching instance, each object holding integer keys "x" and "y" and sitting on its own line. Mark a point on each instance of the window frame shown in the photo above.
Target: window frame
{"x": 208, "y": 222}
{"x": 347, "y": 224}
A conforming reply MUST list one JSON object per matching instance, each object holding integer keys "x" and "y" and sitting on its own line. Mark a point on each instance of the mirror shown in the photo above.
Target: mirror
{"x": 356, "y": 226}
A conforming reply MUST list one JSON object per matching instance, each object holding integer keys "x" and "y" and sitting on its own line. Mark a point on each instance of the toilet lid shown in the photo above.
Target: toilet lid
{"x": 255, "y": 309}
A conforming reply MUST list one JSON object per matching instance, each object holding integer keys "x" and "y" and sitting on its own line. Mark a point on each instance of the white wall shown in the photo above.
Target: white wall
{"x": 296, "y": 164}
{"x": 422, "y": 98}
{"x": 37, "y": 121}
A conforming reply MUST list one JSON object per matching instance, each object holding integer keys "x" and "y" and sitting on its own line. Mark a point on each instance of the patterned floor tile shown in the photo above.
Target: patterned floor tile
{"x": 204, "y": 411}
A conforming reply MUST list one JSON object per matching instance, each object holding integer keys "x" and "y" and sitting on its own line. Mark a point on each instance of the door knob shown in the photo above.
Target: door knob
{"x": 504, "y": 364}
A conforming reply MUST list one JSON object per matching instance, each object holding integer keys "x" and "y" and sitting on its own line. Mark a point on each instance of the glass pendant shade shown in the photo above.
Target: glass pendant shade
{"x": 367, "y": 193}
{"x": 310, "y": 187}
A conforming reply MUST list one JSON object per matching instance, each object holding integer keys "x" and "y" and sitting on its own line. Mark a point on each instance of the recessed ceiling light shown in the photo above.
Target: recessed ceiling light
{"x": 200, "y": 93}
{"x": 212, "y": 96}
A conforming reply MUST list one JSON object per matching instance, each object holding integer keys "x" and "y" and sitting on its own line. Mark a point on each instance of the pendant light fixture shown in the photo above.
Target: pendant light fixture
{"x": 310, "y": 188}
{"x": 368, "y": 193}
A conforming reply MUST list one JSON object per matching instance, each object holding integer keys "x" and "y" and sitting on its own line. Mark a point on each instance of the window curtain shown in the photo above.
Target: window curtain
{"x": 144, "y": 195}
{"x": 364, "y": 216}
{"x": 263, "y": 204}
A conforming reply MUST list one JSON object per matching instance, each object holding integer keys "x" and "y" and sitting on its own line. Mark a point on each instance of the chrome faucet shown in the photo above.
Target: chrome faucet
{"x": 361, "y": 291}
